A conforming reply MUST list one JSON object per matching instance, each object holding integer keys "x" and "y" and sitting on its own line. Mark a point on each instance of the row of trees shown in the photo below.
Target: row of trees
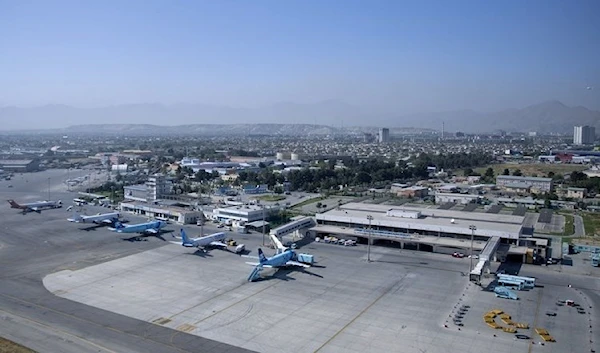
{"x": 372, "y": 172}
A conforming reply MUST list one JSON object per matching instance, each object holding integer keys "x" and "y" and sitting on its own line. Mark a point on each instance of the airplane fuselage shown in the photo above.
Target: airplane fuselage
{"x": 142, "y": 227}
{"x": 279, "y": 259}
{"x": 204, "y": 241}
{"x": 97, "y": 218}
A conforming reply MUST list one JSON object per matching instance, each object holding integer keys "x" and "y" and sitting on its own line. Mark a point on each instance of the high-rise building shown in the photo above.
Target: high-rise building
{"x": 384, "y": 135}
{"x": 584, "y": 135}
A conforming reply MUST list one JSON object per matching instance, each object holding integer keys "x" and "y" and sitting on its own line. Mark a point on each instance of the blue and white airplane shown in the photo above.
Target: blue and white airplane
{"x": 212, "y": 240}
{"x": 152, "y": 227}
{"x": 282, "y": 259}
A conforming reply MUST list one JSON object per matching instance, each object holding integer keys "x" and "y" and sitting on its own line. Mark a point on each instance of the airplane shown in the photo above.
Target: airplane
{"x": 106, "y": 218}
{"x": 202, "y": 242}
{"x": 152, "y": 227}
{"x": 282, "y": 259}
{"x": 37, "y": 206}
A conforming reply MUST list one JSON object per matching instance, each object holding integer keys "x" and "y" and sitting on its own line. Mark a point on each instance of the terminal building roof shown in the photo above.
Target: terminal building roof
{"x": 429, "y": 219}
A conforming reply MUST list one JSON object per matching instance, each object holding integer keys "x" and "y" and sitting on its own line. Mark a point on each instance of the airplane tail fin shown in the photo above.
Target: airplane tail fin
{"x": 119, "y": 225}
{"x": 13, "y": 204}
{"x": 184, "y": 238}
{"x": 261, "y": 256}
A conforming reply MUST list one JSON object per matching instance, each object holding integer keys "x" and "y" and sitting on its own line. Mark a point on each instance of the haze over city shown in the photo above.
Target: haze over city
{"x": 344, "y": 60}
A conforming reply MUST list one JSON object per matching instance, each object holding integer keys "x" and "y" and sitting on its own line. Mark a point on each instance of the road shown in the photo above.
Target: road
{"x": 579, "y": 227}
{"x": 34, "y": 245}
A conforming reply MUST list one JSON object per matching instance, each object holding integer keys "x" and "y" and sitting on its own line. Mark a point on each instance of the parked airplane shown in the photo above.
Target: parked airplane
{"x": 279, "y": 260}
{"x": 212, "y": 240}
{"x": 152, "y": 227}
{"x": 106, "y": 218}
{"x": 37, "y": 206}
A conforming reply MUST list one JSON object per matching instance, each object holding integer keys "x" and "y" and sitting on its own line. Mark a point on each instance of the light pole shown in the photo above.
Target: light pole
{"x": 48, "y": 188}
{"x": 370, "y": 218}
{"x": 472, "y": 228}
{"x": 263, "y": 225}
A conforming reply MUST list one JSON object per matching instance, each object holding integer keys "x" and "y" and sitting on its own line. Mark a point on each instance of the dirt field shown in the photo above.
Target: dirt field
{"x": 7, "y": 346}
{"x": 541, "y": 170}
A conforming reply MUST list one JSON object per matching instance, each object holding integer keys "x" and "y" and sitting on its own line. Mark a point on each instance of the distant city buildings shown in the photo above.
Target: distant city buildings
{"x": 384, "y": 135}
{"x": 584, "y": 135}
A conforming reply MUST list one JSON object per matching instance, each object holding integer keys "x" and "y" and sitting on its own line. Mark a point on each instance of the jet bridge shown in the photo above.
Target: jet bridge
{"x": 289, "y": 228}
{"x": 487, "y": 254}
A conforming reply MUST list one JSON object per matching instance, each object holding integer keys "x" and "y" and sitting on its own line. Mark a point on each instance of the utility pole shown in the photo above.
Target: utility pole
{"x": 472, "y": 228}
{"x": 370, "y": 218}
{"x": 48, "y": 188}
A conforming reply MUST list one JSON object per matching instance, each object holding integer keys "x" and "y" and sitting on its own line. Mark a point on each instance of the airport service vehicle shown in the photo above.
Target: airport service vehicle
{"x": 282, "y": 259}
{"x": 240, "y": 249}
{"x": 152, "y": 227}
{"x": 522, "y": 337}
{"x": 212, "y": 240}
{"x": 37, "y": 206}
{"x": 106, "y": 218}
{"x": 458, "y": 255}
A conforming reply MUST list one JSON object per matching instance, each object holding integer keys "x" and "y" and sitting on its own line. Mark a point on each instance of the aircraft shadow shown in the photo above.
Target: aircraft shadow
{"x": 283, "y": 274}
{"x": 144, "y": 237}
{"x": 200, "y": 253}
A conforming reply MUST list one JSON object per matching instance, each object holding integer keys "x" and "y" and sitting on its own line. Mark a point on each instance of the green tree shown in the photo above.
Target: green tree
{"x": 489, "y": 173}
{"x": 506, "y": 171}
{"x": 468, "y": 171}
{"x": 517, "y": 172}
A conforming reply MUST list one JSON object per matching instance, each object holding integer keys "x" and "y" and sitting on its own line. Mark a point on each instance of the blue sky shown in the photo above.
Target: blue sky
{"x": 401, "y": 56}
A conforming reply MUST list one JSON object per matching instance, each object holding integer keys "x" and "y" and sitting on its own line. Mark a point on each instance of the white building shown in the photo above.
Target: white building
{"x": 445, "y": 197}
{"x": 155, "y": 188}
{"x": 245, "y": 213}
{"x": 584, "y": 135}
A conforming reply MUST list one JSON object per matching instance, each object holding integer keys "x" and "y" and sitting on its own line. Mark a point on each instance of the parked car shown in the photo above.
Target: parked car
{"x": 458, "y": 254}
{"x": 522, "y": 337}
{"x": 550, "y": 313}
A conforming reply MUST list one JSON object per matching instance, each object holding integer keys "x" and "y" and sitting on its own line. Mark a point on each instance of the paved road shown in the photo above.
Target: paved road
{"x": 33, "y": 245}
{"x": 579, "y": 227}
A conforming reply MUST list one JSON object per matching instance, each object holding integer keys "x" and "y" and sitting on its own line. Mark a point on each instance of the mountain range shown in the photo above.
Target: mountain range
{"x": 546, "y": 117}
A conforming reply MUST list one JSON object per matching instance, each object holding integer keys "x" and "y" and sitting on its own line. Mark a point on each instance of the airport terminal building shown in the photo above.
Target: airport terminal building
{"x": 174, "y": 214}
{"x": 428, "y": 229}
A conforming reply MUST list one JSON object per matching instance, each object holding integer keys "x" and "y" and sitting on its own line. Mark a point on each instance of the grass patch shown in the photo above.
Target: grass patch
{"x": 271, "y": 198}
{"x": 569, "y": 225}
{"x": 591, "y": 222}
{"x": 308, "y": 201}
{"x": 7, "y": 346}
{"x": 529, "y": 169}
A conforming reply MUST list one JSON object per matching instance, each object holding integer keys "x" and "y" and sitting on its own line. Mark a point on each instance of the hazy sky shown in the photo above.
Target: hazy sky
{"x": 402, "y": 56}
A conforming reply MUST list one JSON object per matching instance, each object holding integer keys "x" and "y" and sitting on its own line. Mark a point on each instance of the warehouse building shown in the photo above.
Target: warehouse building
{"x": 436, "y": 230}
{"x": 533, "y": 184}
{"x": 20, "y": 165}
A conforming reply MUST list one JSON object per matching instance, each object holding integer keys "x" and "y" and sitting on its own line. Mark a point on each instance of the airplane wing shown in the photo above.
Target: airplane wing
{"x": 151, "y": 231}
{"x": 175, "y": 242}
{"x": 36, "y": 209}
{"x": 258, "y": 263}
{"x": 250, "y": 256}
{"x": 296, "y": 263}
{"x": 218, "y": 243}
{"x": 107, "y": 221}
